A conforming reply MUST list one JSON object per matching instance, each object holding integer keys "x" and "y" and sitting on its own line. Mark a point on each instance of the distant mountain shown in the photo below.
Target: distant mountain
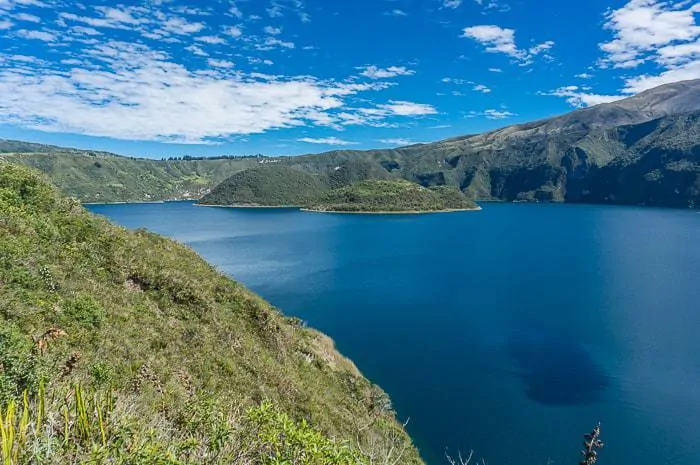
{"x": 640, "y": 150}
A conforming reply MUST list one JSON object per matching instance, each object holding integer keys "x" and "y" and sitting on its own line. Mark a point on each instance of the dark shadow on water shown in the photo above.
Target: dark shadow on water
{"x": 557, "y": 372}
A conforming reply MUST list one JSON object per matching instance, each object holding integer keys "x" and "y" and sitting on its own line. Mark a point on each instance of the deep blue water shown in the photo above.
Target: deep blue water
{"x": 510, "y": 331}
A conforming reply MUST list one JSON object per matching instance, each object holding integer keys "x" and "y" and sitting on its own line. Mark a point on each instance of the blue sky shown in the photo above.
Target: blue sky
{"x": 171, "y": 77}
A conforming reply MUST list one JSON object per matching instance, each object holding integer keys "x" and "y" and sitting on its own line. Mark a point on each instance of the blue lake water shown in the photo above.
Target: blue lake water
{"x": 509, "y": 331}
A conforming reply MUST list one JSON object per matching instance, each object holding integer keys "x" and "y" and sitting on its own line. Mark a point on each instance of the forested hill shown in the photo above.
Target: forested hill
{"x": 643, "y": 150}
{"x": 175, "y": 363}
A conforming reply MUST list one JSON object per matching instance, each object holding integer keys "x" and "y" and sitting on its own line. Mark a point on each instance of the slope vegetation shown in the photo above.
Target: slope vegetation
{"x": 100, "y": 177}
{"x": 203, "y": 370}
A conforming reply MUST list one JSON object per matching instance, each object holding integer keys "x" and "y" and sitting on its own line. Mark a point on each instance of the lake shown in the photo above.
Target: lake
{"x": 511, "y": 331}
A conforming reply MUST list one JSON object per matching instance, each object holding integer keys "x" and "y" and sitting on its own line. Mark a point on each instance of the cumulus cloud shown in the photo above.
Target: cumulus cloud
{"x": 663, "y": 32}
{"x": 220, "y": 63}
{"x": 168, "y": 78}
{"x": 402, "y": 108}
{"x": 373, "y": 72}
{"x": 496, "y": 39}
{"x": 396, "y": 12}
{"x": 582, "y": 96}
{"x": 481, "y": 88}
{"x": 326, "y": 141}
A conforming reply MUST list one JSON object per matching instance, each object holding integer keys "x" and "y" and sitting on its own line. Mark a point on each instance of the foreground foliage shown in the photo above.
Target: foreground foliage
{"x": 85, "y": 302}
{"x": 87, "y": 427}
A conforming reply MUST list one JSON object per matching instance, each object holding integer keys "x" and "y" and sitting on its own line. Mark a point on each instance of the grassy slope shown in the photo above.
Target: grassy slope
{"x": 107, "y": 178}
{"x": 269, "y": 186}
{"x": 391, "y": 196}
{"x": 150, "y": 316}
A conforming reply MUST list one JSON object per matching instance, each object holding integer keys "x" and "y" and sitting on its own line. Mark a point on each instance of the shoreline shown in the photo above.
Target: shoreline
{"x": 403, "y": 212}
{"x": 142, "y": 202}
{"x": 288, "y": 207}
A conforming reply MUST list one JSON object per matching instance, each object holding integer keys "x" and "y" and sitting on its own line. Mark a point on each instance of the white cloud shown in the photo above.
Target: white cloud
{"x": 26, "y": 17}
{"x": 273, "y": 31}
{"x": 211, "y": 40}
{"x": 663, "y": 32}
{"x": 326, "y": 141}
{"x": 5, "y": 24}
{"x": 584, "y": 76}
{"x": 502, "y": 40}
{"x": 397, "y": 142}
{"x": 37, "y": 35}
{"x": 220, "y": 63}
{"x": 271, "y": 43}
{"x": 481, "y": 88}
{"x": 402, "y": 108}
{"x": 491, "y": 114}
{"x": 233, "y": 31}
{"x": 581, "y": 97}
{"x": 130, "y": 91}
{"x": 496, "y": 70}
{"x": 641, "y": 27}
{"x": 196, "y": 50}
{"x": 396, "y": 12}
{"x": 451, "y": 3}
{"x": 374, "y": 72}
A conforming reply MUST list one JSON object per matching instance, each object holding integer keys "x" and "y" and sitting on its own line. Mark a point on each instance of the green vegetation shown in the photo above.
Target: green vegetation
{"x": 267, "y": 186}
{"x": 99, "y": 177}
{"x": 391, "y": 196}
{"x": 178, "y": 364}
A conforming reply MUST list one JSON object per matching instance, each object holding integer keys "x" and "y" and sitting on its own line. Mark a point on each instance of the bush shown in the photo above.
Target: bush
{"x": 19, "y": 367}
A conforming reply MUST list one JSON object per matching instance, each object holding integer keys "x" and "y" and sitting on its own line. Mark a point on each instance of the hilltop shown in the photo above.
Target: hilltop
{"x": 202, "y": 370}
{"x": 641, "y": 150}
{"x": 267, "y": 186}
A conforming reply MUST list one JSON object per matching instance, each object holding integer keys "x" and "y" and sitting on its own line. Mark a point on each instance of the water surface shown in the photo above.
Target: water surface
{"x": 510, "y": 331}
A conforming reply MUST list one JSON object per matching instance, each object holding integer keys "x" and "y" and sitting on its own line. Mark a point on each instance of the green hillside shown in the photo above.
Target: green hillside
{"x": 391, "y": 196}
{"x": 175, "y": 362}
{"x": 267, "y": 186}
{"x": 99, "y": 177}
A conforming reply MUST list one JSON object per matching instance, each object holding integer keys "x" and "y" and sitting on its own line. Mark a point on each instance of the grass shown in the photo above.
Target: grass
{"x": 84, "y": 426}
{"x": 169, "y": 335}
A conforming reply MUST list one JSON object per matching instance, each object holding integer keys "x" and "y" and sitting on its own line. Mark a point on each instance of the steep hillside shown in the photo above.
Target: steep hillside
{"x": 375, "y": 196}
{"x": 189, "y": 353}
{"x": 100, "y": 177}
{"x": 268, "y": 186}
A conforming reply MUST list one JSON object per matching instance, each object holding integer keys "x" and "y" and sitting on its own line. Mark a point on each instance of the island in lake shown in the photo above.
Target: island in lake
{"x": 392, "y": 196}
{"x": 347, "y": 191}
